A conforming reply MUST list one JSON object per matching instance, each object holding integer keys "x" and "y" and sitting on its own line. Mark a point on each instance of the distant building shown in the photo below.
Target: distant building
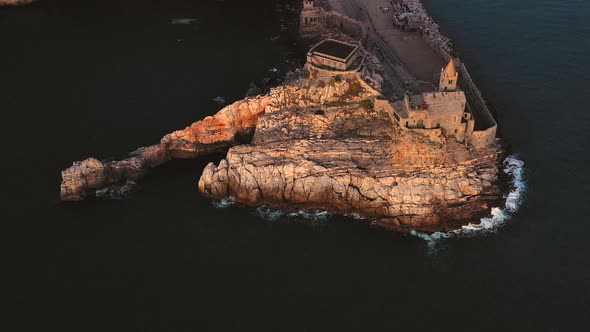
{"x": 445, "y": 109}
{"x": 333, "y": 54}
{"x": 312, "y": 18}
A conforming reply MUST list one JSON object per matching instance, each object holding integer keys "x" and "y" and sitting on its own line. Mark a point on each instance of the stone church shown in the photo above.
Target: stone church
{"x": 445, "y": 109}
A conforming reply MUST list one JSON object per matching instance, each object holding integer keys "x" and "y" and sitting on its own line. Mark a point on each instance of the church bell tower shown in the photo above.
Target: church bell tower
{"x": 448, "y": 77}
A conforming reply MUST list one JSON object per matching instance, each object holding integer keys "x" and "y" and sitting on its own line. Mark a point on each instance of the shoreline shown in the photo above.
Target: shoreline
{"x": 402, "y": 178}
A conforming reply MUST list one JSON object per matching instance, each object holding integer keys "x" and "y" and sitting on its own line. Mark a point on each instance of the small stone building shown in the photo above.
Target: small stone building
{"x": 312, "y": 19}
{"x": 335, "y": 55}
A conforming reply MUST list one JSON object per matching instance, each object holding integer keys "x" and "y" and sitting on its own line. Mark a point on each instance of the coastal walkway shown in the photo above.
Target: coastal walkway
{"x": 410, "y": 48}
{"x": 408, "y": 60}
{"x": 409, "y": 63}
{"x": 397, "y": 77}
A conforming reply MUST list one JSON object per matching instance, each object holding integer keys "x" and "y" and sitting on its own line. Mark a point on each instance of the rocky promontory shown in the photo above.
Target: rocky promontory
{"x": 347, "y": 154}
{"x": 319, "y": 143}
{"x": 232, "y": 125}
{"x": 328, "y": 138}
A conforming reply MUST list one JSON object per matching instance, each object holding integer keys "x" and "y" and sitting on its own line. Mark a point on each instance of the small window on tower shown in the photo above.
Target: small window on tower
{"x": 450, "y": 81}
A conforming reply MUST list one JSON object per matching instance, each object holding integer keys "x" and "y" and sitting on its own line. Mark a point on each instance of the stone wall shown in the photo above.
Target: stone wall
{"x": 485, "y": 124}
{"x": 331, "y": 24}
{"x": 317, "y": 72}
{"x": 346, "y": 25}
{"x": 483, "y": 138}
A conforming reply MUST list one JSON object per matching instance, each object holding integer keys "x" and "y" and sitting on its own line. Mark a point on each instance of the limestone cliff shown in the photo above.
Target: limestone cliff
{"x": 233, "y": 124}
{"x": 343, "y": 152}
{"x": 320, "y": 143}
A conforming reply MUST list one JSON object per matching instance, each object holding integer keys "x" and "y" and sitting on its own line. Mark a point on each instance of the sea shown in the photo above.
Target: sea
{"x": 101, "y": 78}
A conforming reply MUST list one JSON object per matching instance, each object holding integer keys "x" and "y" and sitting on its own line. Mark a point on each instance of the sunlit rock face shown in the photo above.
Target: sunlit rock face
{"x": 15, "y": 2}
{"x": 325, "y": 145}
{"x": 232, "y": 125}
{"x": 319, "y": 143}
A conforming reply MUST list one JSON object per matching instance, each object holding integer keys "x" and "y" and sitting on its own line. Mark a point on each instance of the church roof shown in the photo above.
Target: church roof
{"x": 450, "y": 69}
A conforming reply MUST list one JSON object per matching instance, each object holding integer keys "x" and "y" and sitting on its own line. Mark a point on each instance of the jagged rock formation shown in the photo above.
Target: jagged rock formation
{"x": 323, "y": 140}
{"x": 232, "y": 125}
{"x": 320, "y": 143}
{"x": 343, "y": 152}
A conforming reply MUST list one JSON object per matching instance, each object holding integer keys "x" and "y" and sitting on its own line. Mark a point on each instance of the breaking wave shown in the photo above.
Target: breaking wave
{"x": 224, "y": 202}
{"x": 269, "y": 214}
{"x": 312, "y": 218}
{"x": 120, "y": 192}
{"x": 355, "y": 216}
{"x": 514, "y": 167}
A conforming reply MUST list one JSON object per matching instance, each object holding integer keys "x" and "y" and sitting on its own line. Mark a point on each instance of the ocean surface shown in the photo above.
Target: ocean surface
{"x": 100, "y": 78}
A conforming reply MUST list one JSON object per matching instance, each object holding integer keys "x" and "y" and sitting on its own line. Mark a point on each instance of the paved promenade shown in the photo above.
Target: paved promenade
{"x": 408, "y": 57}
{"x": 409, "y": 47}
{"x": 396, "y": 76}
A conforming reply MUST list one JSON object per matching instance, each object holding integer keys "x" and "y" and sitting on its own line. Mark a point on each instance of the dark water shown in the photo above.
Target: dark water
{"x": 98, "y": 78}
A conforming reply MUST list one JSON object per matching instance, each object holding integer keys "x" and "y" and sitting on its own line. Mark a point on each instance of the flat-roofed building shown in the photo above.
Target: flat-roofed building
{"x": 335, "y": 55}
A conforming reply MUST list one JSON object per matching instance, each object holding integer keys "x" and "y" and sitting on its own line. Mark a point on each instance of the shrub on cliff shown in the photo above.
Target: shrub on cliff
{"x": 367, "y": 104}
{"x": 354, "y": 90}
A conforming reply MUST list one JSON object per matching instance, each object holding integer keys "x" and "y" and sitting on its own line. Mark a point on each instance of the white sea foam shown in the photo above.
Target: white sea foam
{"x": 312, "y": 218}
{"x": 315, "y": 219}
{"x": 355, "y": 216}
{"x": 224, "y": 202}
{"x": 120, "y": 192}
{"x": 499, "y": 215}
{"x": 269, "y": 214}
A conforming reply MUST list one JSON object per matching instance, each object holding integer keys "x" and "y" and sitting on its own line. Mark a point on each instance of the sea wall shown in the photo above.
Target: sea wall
{"x": 336, "y": 21}
{"x": 485, "y": 124}
{"x": 483, "y": 138}
{"x": 333, "y": 25}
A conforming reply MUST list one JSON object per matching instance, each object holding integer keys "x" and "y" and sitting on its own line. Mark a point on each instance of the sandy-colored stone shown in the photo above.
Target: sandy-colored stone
{"x": 352, "y": 157}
